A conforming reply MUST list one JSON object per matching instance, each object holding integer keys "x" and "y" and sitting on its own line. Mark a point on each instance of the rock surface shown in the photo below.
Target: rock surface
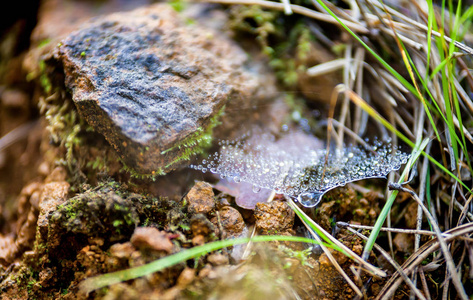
{"x": 154, "y": 86}
{"x": 201, "y": 198}
{"x": 231, "y": 222}
{"x": 274, "y": 217}
{"x": 152, "y": 239}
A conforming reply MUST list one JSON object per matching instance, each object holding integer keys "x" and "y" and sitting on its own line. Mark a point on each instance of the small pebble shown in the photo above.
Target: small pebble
{"x": 200, "y": 198}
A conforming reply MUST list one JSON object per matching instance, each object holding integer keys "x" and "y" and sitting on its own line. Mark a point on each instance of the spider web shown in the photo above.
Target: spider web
{"x": 300, "y": 170}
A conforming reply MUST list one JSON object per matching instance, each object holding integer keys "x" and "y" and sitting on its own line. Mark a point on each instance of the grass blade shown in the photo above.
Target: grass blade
{"x": 93, "y": 283}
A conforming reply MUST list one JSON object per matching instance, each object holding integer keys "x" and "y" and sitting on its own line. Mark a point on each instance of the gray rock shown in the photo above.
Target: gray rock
{"x": 154, "y": 86}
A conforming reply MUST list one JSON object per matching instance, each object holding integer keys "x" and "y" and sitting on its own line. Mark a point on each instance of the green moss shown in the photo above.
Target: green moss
{"x": 256, "y": 21}
{"x": 142, "y": 176}
{"x": 302, "y": 256}
{"x": 99, "y": 164}
{"x": 103, "y": 210}
{"x": 197, "y": 142}
{"x": 194, "y": 144}
{"x": 178, "y": 5}
{"x": 44, "y": 79}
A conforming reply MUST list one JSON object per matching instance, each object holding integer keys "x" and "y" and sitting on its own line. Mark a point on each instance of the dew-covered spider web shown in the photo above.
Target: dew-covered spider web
{"x": 300, "y": 170}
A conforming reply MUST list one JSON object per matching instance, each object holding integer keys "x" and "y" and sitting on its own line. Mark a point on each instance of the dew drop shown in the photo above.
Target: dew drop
{"x": 310, "y": 199}
{"x": 256, "y": 189}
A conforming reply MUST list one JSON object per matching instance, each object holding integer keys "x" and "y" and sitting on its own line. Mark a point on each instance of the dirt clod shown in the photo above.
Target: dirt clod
{"x": 274, "y": 217}
{"x": 201, "y": 198}
{"x": 230, "y": 221}
{"x": 152, "y": 239}
{"x": 217, "y": 259}
{"x": 122, "y": 250}
{"x": 200, "y": 225}
{"x": 186, "y": 277}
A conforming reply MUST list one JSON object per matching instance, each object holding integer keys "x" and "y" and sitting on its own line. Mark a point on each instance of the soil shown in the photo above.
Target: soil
{"x": 71, "y": 210}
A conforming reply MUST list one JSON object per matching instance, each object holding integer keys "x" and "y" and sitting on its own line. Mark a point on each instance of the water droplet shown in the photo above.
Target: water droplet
{"x": 256, "y": 189}
{"x": 293, "y": 169}
{"x": 310, "y": 199}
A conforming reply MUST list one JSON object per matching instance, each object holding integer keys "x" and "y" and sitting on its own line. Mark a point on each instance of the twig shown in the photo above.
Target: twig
{"x": 425, "y": 287}
{"x": 465, "y": 212}
{"x": 393, "y": 263}
{"x": 416, "y": 258}
{"x": 398, "y": 230}
{"x": 446, "y": 253}
{"x": 246, "y": 253}
{"x": 296, "y": 9}
{"x": 17, "y": 134}
{"x": 333, "y": 261}
{"x": 443, "y": 196}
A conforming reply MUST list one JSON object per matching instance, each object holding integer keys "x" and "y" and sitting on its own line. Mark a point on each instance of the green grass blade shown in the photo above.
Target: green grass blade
{"x": 93, "y": 283}
{"x": 321, "y": 234}
{"x": 410, "y": 67}
{"x": 374, "y": 114}
{"x": 430, "y": 22}
{"x": 387, "y": 207}
{"x": 332, "y": 241}
{"x": 391, "y": 70}
{"x": 451, "y": 70}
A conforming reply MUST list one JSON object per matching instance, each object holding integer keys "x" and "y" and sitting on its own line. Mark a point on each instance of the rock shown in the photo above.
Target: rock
{"x": 198, "y": 240}
{"x": 152, "y": 239}
{"x": 154, "y": 86}
{"x": 122, "y": 250}
{"x": 57, "y": 18}
{"x": 404, "y": 242}
{"x": 58, "y": 174}
{"x": 100, "y": 212}
{"x": 200, "y": 198}
{"x": 274, "y": 217}
{"x": 200, "y": 225}
{"x": 186, "y": 277}
{"x": 8, "y": 249}
{"x": 53, "y": 194}
{"x": 231, "y": 221}
{"x": 217, "y": 259}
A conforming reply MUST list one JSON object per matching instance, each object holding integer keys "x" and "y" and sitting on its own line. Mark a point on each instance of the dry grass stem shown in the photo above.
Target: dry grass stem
{"x": 393, "y": 263}
{"x": 296, "y": 9}
{"x": 445, "y": 251}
